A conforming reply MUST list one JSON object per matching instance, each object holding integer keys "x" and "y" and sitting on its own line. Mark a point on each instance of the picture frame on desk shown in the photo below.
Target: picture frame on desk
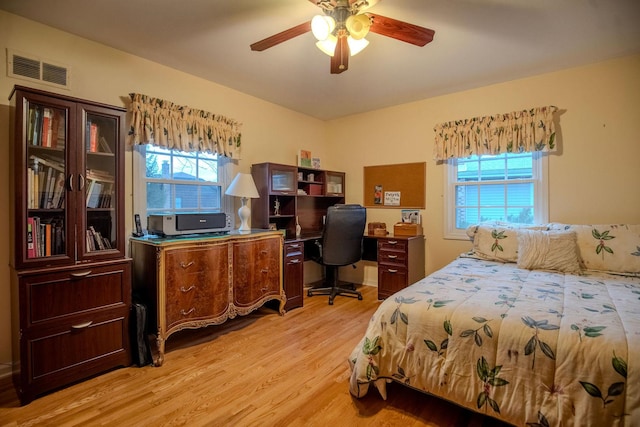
{"x": 273, "y": 226}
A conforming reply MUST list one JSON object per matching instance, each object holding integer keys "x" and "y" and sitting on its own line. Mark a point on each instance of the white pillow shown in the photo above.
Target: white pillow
{"x": 548, "y": 250}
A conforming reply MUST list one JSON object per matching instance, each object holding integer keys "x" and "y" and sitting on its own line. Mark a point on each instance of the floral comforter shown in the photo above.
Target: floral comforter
{"x": 532, "y": 348}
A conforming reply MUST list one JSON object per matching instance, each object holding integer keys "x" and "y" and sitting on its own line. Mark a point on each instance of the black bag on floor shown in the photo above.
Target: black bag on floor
{"x": 139, "y": 347}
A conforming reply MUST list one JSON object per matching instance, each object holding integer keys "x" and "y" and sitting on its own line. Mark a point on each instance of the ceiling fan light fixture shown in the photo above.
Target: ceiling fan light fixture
{"x": 328, "y": 45}
{"x": 356, "y": 45}
{"x": 358, "y": 26}
{"x": 322, "y": 26}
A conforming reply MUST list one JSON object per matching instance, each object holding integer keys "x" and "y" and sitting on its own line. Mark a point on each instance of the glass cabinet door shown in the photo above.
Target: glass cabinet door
{"x": 283, "y": 180}
{"x": 98, "y": 200}
{"x": 334, "y": 184}
{"x": 45, "y": 141}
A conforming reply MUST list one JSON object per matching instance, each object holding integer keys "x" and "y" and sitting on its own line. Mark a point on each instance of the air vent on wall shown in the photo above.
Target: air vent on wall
{"x": 29, "y": 67}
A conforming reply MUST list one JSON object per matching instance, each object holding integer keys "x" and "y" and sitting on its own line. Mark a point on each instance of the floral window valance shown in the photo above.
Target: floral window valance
{"x": 165, "y": 124}
{"x": 516, "y": 132}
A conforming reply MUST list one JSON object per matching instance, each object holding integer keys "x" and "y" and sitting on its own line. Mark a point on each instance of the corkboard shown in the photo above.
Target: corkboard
{"x": 409, "y": 179}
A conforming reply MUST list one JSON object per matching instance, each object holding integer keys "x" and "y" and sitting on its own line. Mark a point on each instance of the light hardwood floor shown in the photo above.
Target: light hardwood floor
{"x": 259, "y": 370}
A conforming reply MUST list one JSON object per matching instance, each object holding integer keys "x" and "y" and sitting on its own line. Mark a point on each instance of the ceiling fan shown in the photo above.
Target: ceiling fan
{"x": 342, "y": 28}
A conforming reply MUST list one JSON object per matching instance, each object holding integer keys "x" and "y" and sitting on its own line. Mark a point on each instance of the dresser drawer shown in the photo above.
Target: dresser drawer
{"x": 196, "y": 283}
{"x": 78, "y": 350}
{"x": 392, "y": 258}
{"x": 391, "y": 280}
{"x": 58, "y": 295}
{"x": 256, "y": 270}
{"x": 294, "y": 249}
{"x": 392, "y": 245}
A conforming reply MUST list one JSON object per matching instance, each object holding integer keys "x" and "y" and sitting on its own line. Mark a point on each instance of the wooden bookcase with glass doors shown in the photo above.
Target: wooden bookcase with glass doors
{"x": 70, "y": 279}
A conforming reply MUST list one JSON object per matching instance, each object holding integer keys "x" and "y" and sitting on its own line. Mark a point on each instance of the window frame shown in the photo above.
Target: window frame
{"x": 540, "y": 181}
{"x": 140, "y": 184}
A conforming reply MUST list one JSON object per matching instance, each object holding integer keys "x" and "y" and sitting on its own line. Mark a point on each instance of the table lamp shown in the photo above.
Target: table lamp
{"x": 243, "y": 186}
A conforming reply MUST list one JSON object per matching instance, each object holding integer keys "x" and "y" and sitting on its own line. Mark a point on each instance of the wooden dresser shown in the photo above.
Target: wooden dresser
{"x": 192, "y": 282}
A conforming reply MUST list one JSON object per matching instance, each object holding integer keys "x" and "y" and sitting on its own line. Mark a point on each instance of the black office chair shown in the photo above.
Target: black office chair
{"x": 341, "y": 245}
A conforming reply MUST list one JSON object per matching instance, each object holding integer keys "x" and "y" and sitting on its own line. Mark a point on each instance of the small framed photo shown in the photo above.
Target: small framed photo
{"x": 304, "y": 158}
{"x": 272, "y": 226}
{"x": 411, "y": 216}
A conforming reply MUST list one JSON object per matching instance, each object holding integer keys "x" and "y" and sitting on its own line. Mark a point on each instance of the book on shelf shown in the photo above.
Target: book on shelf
{"x": 92, "y": 134}
{"x": 31, "y": 248}
{"x": 58, "y": 192}
{"x": 94, "y": 190}
{"x": 95, "y": 241}
{"x": 46, "y": 127}
{"x": 46, "y": 161}
{"x": 45, "y": 136}
{"x": 99, "y": 175}
{"x": 36, "y": 125}
{"x": 45, "y": 237}
{"x": 104, "y": 145}
{"x": 48, "y": 236}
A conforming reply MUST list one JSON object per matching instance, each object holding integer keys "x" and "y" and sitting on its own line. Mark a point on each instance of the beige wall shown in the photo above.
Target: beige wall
{"x": 590, "y": 182}
{"x": 269, "y": 134}
{"x": 593, "y": 179}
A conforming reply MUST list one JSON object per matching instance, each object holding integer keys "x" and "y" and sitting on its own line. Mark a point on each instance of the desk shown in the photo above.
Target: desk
{"x": 400, "y": 262}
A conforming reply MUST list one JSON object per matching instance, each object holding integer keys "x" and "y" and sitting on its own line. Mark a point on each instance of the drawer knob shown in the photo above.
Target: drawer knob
{"x": 82, "y": 325}
{"x": 294, "y": 261}
{"x": 189, "y": 289}
{"x": 186, "y": 313}
{"x": 392, "y": 271}
{"x": 186, "y": 265}
{"x": 264, "y": 270}
{"x": 296, "y": 246}
{"x": 392, "y": 256}
{"x": 81, "y": 273}
{"x": 393, "y": 242}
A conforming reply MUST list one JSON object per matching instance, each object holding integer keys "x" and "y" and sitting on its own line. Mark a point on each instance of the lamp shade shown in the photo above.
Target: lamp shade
{"x": 358, "y": 26}
{"x": 328, "y": 46}
{"x": 322, "y": 26}
{"x": 243, "y": 186}
{"x": 356, "y": 45}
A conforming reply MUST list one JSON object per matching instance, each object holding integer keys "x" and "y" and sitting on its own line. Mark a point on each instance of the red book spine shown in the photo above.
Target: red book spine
{"x": 31, "y": 247}
{"x": 93, "y": 145}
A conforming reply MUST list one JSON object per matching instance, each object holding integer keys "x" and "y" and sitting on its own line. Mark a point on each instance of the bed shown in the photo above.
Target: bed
{"x": 534, "y": 326}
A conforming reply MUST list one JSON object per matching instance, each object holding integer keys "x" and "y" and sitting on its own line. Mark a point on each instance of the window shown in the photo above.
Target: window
{"x": 170, "y": 181}
{"x": 505, "y": 187}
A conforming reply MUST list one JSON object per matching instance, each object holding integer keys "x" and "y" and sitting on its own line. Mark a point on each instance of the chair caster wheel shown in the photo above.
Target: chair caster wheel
{"x": 330, "y": 302}
{"x": 360, "y": 297}
{"x": 309, "y": 294}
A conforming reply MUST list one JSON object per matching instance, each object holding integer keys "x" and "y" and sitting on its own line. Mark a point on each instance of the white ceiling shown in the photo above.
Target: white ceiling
{"x": 476, "y": 42}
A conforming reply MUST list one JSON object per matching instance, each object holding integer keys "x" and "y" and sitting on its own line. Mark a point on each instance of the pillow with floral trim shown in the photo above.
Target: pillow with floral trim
{"x": 496, "y": 241}
{"x": 612, "y": 248}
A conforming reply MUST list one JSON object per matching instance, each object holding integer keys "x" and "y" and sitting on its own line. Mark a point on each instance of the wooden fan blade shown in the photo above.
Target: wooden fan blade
{"x": 340, "y": 58}
{"x": 282, "y": 37}
{"x": 400, "y": 30}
